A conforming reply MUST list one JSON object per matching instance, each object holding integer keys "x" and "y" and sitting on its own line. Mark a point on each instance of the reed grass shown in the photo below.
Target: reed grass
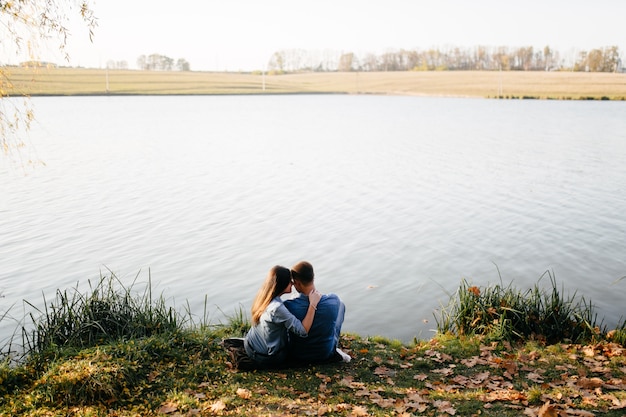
{"x": 108, "y": 311}
{"x": 506, "y": 313}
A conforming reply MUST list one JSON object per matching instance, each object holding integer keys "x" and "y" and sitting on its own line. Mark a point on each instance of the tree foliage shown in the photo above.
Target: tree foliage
{"x": 599, "y": 60}
{"x": 157, "y": 62}
{"x": 25, "y": 26}
{"x": 478, "y": 58}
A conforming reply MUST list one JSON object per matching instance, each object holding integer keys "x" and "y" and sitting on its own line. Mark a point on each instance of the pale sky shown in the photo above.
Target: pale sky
{"x": 242, "y": 34}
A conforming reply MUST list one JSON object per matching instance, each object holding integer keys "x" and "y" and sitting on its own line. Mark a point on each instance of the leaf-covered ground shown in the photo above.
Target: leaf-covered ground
{"x": 445, "y": 376}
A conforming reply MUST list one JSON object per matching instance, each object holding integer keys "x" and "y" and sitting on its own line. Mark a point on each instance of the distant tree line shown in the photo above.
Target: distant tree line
{"x": 453, "y": 59}
{"x": 120, "y": 65}
{"x": 156, "y": 62}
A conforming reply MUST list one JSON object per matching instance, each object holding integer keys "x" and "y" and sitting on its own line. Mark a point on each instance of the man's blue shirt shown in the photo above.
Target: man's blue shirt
{"x": 323, "y": 336}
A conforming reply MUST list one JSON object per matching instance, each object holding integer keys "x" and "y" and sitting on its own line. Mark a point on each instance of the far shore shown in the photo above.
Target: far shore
{"x": 479, "y": 84}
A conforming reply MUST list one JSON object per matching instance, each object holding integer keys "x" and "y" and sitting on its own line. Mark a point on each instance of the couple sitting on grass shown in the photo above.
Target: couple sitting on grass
{"x": 301, "y": 330}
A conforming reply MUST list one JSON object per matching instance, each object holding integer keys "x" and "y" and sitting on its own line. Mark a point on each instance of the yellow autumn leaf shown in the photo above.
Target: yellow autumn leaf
{"x": 244, "y": 393}
{"x": 217, "y": 406}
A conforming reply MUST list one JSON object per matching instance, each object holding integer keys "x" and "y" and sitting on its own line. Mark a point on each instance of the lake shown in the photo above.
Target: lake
{"x": 393, "y": 199}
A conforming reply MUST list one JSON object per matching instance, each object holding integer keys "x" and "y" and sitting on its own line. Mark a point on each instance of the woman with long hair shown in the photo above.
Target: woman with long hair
{"x": 266, "y": 341}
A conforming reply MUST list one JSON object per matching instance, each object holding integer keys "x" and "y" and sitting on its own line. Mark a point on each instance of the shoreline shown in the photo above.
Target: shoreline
{"x": 57, "y": 82}
{"x": 113, "y": 352}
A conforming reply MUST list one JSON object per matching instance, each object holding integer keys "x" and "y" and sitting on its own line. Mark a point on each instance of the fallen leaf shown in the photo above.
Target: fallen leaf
{"x": 589, "y": 351}
{"x": 461, "y": 379}
{"x": 530, "y": 412}
{"x": 443, "y": 371}
{"x": 547, "y": 410}
{"x": 244, "y": 393}
{"x": 474, "y": 290}
{"x": 618, "y": 405}
{"x": 342, "y": 407}
{"x": 481, "y": 377}
{"x": 363, "y": 393}
{"x": 217, "y": 406}
{"x": 471, "y": 362}
{"x": 168, "y": 408}
{"x": 323, "y": 377}
{"x": 510, "y": 366}
{"x": 385, "y": 402}
{"x": 580, "y": 413}
{"x": 359, "y": 411}
{"x": 590, "y": 383}
{"x": 384, "y": 371}
{"x": 444, "y": 407}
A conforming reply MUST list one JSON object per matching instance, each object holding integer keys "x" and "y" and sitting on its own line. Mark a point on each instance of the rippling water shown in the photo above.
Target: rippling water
{"x": 393, "y": 199}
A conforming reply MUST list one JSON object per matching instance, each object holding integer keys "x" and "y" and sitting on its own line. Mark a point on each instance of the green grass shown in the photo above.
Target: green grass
{"x": 178, "y": 367}
{"x": 189, "y": 373}
{"x": 107, "y": 312}
{"x": 506, "y": 313}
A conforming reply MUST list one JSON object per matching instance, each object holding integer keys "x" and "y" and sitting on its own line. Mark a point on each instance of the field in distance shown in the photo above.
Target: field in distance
{"x": 487, "y": 84}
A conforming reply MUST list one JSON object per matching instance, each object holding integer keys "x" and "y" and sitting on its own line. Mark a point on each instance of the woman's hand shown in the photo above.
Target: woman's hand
{"x": 314, "y": 298}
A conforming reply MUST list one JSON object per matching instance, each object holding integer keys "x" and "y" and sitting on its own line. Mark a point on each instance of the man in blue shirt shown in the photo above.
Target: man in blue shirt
{"x": 321, "y": 344}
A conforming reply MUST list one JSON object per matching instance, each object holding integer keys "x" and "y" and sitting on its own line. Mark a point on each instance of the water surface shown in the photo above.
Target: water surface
{"x": 394, "y": 200}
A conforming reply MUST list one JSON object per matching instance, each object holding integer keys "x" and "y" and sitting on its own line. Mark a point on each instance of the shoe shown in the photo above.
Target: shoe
{"x": 344, "y": 356}
{"x": 233, "y": 342}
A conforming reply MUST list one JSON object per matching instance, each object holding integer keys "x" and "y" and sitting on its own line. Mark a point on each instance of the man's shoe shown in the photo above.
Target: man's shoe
{"x": 344, "y": 356}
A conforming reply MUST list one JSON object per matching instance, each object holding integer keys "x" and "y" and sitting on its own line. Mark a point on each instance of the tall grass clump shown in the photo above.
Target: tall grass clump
{"x": 108, "y": 311}
{"x": 505, "y": 313}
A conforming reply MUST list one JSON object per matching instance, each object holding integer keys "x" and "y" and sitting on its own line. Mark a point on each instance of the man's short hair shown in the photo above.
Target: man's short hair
{"x": 303, "y": 272}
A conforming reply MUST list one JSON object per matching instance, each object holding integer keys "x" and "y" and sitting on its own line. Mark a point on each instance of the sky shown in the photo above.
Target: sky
{"x": 234, "y": 35}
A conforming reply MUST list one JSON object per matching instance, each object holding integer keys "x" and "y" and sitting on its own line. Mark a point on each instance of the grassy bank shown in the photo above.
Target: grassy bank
{"x": 113, "y": 352}
{"x": 488, "y": 84}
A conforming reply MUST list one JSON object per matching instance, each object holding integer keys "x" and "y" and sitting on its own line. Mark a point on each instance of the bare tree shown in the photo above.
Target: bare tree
{"x": 345, "y": 62}
{"x": 183, "y": 65}
{"x": 277, "y": 62}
